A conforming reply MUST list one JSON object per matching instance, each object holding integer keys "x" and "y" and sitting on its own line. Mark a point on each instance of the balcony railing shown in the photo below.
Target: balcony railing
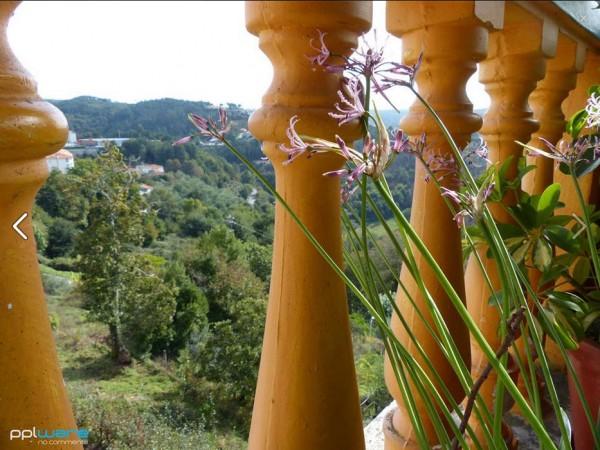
{"x": 536, "y": 60}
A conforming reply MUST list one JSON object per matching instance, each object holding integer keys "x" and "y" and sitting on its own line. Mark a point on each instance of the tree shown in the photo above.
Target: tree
{"x": 223, "y": 364}
{"x": 116, "y": 283}
{"x": 62, "y": 234}
{"x": 191, "y": 307}
{"x": 148, "y": 304}
{"x": 58, "y": 198}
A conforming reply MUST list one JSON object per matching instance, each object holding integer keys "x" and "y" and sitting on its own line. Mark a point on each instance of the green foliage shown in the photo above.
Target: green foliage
{"x": 191, "y": 308}
{"x": 147, "y": 304}
{"x": 62, "y": 234}
{"x": 222, "y": 365}
{"x": 55, "y": 284}
{"x": 121, "y": 289}
{"x": 95, "y": 117}
{"x": 555, "y": 245}
{"x": 58, "y": 198}
{"x": 180, "y": 274}
{"x": 119, "y": 425}
{"x": 40, "y": 227}
{"x": 368, "y": 355}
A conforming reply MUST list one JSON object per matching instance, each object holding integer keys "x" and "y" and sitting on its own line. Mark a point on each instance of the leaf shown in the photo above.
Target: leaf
{"x": 595, "y": 229}
{"x": 567, "y": 422}
{"x": 512, "y": 243}
{"x": 590, "y": 318}
{"x": 502, "y": 179}
{"x": 588, "y": 163}
{"x": 523, "y": 168}
{"x": 509, "y": 230}
{"x": 577, "y": 123}
{"x": 495, "y": 299}
{"x": 594, "y": 295}
{"x": 565, "y": 259}
{"x": 564, "y": 168}
{"x": 590, "y": 168}
{"x": 542, "y": 254}
{"x": 527, "y": 214}
{"x": 519, "y": 253}
{"x": 547, "y": 202}
{"x": 559, "y": 220}
{"x": 581, "y": 270}
{"x": 562, "y": 237}
{"x": 565, "y": 338}
{"x": 552, "y": 274}
{"x": 567, "y": 301}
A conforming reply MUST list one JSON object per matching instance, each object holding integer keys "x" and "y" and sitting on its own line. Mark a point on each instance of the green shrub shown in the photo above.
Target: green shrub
{"x": 55, "y": 284}
{"x": 121, "y": 425}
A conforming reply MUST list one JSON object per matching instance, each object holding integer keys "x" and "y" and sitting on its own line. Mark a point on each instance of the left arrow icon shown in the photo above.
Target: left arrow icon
{"x": 16, "y": 226}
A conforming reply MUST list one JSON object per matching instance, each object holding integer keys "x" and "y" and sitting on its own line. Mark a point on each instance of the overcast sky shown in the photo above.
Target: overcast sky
{"x": 132, "y": 51}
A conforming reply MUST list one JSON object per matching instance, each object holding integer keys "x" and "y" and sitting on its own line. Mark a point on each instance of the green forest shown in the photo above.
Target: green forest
{"x": 157, "y": 300}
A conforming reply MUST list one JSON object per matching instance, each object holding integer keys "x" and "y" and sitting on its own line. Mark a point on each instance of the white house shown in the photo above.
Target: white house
{"x": 150, "y": 169}
{"x": 145, "y": 189}
{"x": 62, "y": 161}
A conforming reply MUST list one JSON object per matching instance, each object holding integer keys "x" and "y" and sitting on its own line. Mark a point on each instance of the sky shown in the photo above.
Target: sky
{"x": 132, "y": 51}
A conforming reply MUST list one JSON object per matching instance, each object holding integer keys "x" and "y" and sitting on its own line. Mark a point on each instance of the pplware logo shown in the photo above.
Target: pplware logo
{"x": 58, "y": 436}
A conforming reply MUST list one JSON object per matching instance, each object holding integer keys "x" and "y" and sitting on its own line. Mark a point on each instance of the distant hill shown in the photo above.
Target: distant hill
{"x": 163, "y": 118}
{"x": 156, "y": 119}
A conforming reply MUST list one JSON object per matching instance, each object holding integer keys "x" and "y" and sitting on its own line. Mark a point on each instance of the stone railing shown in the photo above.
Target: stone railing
{"x": 539, "y": 54}
{"x": 533, "y": 57}
{"x": 32, "y": 391}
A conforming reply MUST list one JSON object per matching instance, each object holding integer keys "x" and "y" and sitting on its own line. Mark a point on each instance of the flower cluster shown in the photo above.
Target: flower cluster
{"x": 207, "y": 127}
{"x": 351, "y": 105}
{"x": 374, "y": 158}
{"x": 367, "y": 61}
{"x": 470, "y": 206}
{"x": 377, "y": 153}
{"x": 441, "y": 166}
{"x": 593, "y": 110}
{"x": 568, "y": 151}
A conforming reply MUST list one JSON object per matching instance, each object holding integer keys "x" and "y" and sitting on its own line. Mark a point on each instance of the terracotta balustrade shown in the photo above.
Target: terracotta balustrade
{"x": 574, "y": 102}
{"x": 32, "y": 391}
{"x": 515, "y": 63}
{"x": 453, "y": 37}
{"x": 307, "y": 396}
{"x": 530, "y": 53}
{"x": 546, "y": 102}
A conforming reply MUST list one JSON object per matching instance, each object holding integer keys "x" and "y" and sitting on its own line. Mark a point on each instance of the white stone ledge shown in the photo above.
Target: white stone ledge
{"x": 374, "y": 430}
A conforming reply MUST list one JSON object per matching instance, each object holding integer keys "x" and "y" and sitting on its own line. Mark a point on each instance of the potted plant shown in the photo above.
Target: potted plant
{"x": 573, "y": 296}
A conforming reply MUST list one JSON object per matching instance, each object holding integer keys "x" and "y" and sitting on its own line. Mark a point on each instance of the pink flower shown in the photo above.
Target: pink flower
{"x": 297, "y": 146}
{"x": 401, "y": 142}
{"x": 593, "y": 110}
{"x": 352, "y": 107}
{"x": 368, "y": 61}
{"x": 323, "y": 52}
{"x": 567, "y": 151}
{"x": 208, "y": 127}
{"x": 183, "y": 140}
{"x": 469, "y": 205}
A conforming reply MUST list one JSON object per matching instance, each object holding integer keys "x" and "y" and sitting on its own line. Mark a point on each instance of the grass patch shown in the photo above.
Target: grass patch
{"x": 137, "y": 407}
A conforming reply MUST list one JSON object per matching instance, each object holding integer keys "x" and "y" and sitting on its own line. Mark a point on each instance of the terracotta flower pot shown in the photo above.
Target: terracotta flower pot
{"x": 586, "y": 362}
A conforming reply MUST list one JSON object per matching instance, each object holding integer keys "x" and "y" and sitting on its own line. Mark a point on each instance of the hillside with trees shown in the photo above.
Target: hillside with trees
{"x": 153, "y": 119}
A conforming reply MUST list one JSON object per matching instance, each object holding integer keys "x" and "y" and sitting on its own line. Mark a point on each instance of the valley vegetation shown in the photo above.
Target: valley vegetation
{"x": 158, "y": 300}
